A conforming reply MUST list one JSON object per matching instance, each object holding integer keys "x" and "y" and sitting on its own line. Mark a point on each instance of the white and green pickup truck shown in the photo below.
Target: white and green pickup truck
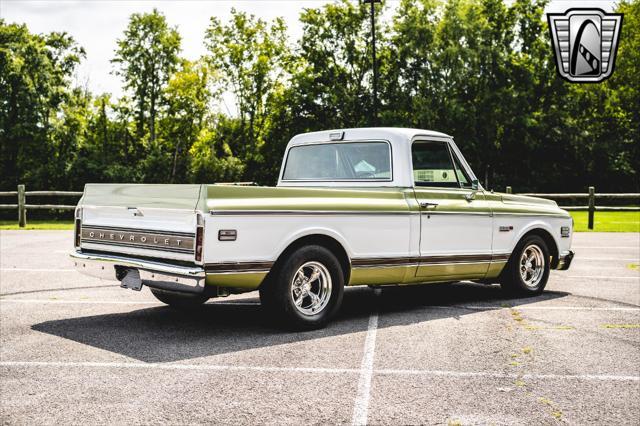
{"x": 371, "y": 206}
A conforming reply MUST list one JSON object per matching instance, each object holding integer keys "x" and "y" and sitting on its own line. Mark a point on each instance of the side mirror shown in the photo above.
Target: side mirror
{"x": 474, "y": 184}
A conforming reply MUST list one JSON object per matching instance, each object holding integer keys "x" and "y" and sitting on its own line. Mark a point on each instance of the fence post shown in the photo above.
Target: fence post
{"x": 592, "y": 205}
{"x": 22, "y": 210}
{"x": 509, "y": 190}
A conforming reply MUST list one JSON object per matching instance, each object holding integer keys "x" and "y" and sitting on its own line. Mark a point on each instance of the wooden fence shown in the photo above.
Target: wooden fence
{"x": 591, "y": 197}
{"x": 22, "y": 205}
{"x": 22, "y": 195}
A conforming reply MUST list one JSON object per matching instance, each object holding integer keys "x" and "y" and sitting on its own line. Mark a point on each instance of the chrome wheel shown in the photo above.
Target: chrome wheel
{"x": 311, "y": 288}
{"x": 532, "y": 266}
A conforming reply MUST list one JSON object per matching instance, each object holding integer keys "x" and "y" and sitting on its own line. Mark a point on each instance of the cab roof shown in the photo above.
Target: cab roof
{"x": 392, "y": 134}
{"x": 399, "y": 139}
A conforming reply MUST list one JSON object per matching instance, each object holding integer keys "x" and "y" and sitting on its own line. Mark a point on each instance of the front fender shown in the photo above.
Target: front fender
{"x": 549, "y": 228}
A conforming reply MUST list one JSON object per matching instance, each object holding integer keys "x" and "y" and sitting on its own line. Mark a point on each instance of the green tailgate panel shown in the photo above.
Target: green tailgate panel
{"x": 255, "y": 198}
{"x": 143, "y": 195}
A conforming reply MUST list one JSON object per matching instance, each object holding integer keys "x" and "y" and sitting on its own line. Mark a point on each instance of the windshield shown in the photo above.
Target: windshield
{"x": 339, "y": 161}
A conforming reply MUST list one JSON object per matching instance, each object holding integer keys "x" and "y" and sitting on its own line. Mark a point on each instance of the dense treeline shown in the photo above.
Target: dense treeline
{"x": 481, "y": 70}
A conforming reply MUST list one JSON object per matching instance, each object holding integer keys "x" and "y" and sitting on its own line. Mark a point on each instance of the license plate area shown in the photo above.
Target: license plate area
{"x": 130, "y": 278}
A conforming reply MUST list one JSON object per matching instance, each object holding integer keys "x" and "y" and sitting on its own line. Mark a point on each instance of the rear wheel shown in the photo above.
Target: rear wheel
{"x": 306, "y": 290}
{"x": 181, "y": 301}
{"x": 527, "y": 272}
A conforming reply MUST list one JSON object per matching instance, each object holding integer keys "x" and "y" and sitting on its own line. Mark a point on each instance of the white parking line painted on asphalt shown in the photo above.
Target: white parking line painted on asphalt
{"x": 35, "y": 270}
{"x": 605, "y": 247}
{"x": 623, "y": 259}
{"x": 598, "y": 268}
{"x": 319, "y": 370}
{"x": 538, "y": 308}
{"x": 361, "y": 406}
{"x": 197, "y": 367}
{"x": 468, "y": 374}
{"x": 114, "y": 302}
{"x": 231, "y": 303}
{"x": 602, "y": 277}
{"x": 79, "y": 302}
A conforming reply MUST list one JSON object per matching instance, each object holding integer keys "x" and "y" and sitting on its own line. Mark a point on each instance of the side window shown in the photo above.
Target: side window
{"x": 432, "y": 165}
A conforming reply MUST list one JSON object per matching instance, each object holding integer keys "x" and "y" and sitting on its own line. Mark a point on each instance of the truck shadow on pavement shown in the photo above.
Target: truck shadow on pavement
{"x": 161, "y": 334}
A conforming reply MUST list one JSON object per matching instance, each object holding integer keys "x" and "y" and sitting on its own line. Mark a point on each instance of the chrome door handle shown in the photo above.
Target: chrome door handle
{"x": 426, "y": 204}
{"x": 470, "y": 196}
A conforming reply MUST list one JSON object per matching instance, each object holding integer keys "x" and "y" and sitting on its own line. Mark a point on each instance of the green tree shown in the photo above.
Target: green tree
{"x": 409, "y": 87}
{"x": 251, "y": 58}
{"x": 623, "y": 106}
{"x": 481, "y": 70}
{"x": 68, "y": 133}
{"x": 453, "y": 71}
{"x": 332, "y": 82}
{"x": 108, "y": 150}
{"x": 212, "y": 159}
{"x": 146, "y": 57}
{"x": 35, "y": 73}
{"x": 188, "y": 98}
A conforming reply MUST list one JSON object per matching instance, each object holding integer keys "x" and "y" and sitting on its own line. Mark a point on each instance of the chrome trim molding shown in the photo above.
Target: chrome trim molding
{"x": 138, "y": 246}
{"x": 386, "y": 265}
{"x": 528, "y": 214}
{"x": 309, "y": 212}
{"x": 365, "y": 262}
{"x": 375, "y": 262}
{"x": 457, "y": 213}
{"x": 368, "y": 213}
{"x": 501, "y": 257}
{"x": 240, "y": 271}
{"x": 238, "y": 267}
{"x": 146, "y": 231}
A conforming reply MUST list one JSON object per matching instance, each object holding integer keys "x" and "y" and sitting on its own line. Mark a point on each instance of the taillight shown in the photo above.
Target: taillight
{"x": 199, "y": 238}
{"x": 77, "y": 227}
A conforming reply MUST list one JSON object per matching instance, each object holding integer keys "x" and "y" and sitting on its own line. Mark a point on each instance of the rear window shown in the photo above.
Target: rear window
{"x": 339, "y": 161}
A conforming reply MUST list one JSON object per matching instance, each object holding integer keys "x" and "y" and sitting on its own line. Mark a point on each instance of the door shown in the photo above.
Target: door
{"x": 455, "y": 219}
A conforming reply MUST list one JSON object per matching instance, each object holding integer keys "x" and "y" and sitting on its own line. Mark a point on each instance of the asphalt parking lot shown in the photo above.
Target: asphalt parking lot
{"x": 74, "y": 349}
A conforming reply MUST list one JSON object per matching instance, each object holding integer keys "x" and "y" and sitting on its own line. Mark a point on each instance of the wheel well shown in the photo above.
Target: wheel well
{"x": 321, "y": 240}
{"x": 549, "y": 241}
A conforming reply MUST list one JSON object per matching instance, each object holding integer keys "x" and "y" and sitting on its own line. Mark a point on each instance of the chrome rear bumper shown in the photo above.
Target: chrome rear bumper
{"x": 190, "y": 279}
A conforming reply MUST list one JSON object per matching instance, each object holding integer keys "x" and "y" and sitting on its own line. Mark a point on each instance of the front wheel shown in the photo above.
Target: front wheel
{"x": 527, "y": 272}
{"x": 306, "y": 290}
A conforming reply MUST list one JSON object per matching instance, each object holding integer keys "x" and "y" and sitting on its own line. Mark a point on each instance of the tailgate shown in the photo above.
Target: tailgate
{"x": 158, "y": 221}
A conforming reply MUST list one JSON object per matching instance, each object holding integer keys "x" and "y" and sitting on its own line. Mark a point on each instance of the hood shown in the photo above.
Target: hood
{"x": 527, "y": 205}
{"x": 523, "y": 199}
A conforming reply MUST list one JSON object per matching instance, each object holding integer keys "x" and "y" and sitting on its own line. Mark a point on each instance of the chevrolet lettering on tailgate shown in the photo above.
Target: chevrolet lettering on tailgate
{"x": 181, "y": 242}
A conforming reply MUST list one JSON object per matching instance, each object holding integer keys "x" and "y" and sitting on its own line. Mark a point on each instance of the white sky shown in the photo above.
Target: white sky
{"x": 97, "y": 24}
